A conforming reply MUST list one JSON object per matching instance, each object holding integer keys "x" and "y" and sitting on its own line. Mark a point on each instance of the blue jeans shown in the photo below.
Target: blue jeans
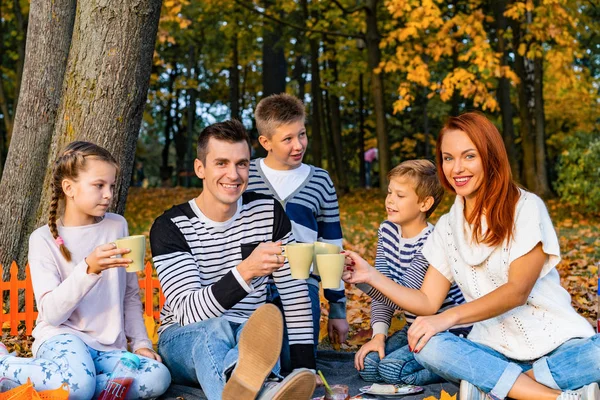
{"x": 572, "y": 365}
{"x": 315, "y": 304}
{"x": 67, "y": 359}
{"x": 203, "y": 353}
{"x": 398, "y": 366}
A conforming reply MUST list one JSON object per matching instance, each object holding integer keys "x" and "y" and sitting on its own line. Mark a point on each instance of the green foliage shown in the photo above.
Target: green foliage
{"x": 579, "y": 172}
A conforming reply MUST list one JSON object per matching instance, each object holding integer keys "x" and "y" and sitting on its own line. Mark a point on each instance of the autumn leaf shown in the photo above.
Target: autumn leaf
{"x": 444, "y": 396}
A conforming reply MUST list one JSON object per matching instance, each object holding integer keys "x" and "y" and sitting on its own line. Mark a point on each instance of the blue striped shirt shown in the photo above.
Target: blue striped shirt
{"x": 402, "y": 261}
{"x": 314, "y": 212}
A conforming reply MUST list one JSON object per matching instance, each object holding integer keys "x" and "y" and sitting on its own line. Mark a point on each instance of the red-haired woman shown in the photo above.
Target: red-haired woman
{"x": 499, "y": 245}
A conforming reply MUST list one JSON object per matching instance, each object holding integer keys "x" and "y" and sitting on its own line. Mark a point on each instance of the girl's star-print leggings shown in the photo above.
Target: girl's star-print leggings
{"x": 67, "y": 359}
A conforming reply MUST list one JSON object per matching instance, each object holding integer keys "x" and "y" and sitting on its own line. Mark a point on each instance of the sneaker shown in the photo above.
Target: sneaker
{"x": 259, "y": 349}
{"x": 299, "y": 385}
{"x": 468, "y": 391}
{"x": 588, "y": 392}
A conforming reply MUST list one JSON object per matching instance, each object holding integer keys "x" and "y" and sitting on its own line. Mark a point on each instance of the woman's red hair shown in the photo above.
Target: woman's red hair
{"x": 498, "y": 194}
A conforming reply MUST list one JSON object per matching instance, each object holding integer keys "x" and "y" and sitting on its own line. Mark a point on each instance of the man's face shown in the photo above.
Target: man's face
{"x": 225, "y": 172}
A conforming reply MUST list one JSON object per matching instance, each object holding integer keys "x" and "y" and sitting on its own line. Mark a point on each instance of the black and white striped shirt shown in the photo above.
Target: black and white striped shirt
{"x": 196, "y": 259}
{"x": 402, "y": 261}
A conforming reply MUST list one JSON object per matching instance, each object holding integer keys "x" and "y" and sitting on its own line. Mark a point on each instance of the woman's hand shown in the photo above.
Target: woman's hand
{"x": 148, "y": 353}
{"x": 424, "y": 328}
{"x": 356, "y": 270}
{"x": 377, "y": 344}
{"x": 102, "y": 258}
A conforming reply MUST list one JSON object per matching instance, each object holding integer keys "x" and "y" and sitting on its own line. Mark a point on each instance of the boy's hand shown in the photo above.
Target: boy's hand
{"x": 376, "y": 344}
{"x": 102, "y": 258}
{"x": 338, "y": 330}
{"x": 264, "y": 260}
{"x": 356, "y": 270}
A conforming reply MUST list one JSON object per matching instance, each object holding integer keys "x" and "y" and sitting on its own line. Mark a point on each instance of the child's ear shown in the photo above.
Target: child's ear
{"x": 67, "y": 187}
{"x": 427, "y": 204}
{"x": 264, "y": 142}
{"x": 199, "y": 168}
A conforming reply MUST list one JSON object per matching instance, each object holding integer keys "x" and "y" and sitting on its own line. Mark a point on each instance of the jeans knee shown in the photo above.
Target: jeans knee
{"x": 82, "y": 387}
{"x": 433, "y": 349}
{"x": 370, "y": 372}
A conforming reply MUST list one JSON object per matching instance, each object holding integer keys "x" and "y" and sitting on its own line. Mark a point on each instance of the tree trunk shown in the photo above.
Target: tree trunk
{"x": 49, "y": 37}
{"x": 336, "y": 128}
{"x": 22, "y": 31}
{"x": 426, "y": 125}
{"x": 299, "y": 71}
{"x": 234, "y": 80}
{"x": 506, "y": 107}
{"x": 191, "y": 117}
{"x": 274, "y": 63}
{"x": 106, "y": 84}
{"x": 543, "y": 186}
{"x": 166, "y": 171}
{"x": 377, "y": 87}
{"x": 524, "y": 70}
{"x": 361, "y": 132}
{"x": 180, "y": 142}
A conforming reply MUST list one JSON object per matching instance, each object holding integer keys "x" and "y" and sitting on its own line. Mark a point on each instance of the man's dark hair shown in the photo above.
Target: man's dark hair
{"x": 231, "y": 131}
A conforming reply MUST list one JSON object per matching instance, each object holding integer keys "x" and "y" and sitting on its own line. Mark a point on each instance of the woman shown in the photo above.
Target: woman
{"x": 498, "y": 245}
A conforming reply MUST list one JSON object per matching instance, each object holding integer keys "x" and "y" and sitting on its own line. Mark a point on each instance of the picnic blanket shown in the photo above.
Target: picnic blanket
{"x": 338, "y": 368}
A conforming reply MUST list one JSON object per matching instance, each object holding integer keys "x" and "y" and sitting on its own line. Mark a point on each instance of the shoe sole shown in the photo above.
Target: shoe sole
{"x": 300, "y": 387}
{"x": 259, "y": 349}
{"x": 466, "y": 392}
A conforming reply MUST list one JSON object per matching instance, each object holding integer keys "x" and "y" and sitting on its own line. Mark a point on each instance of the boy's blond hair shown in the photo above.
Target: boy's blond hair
{"x": 423, "y": 174}
{"x": 276, "y": 110}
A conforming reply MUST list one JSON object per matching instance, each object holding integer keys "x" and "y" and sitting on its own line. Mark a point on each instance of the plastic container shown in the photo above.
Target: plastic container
{"x": 121, "y": 378}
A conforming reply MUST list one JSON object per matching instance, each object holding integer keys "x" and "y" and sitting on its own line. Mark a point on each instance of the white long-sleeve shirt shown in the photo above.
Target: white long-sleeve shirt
{"x": 104, "y": 310}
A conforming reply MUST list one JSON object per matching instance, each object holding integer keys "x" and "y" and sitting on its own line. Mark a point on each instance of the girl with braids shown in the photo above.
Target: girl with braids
{"x": 89, "y": 306}
{"x": 497, "y": 243}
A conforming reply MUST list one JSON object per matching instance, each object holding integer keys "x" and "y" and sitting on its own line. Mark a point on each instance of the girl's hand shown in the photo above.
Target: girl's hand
{"x": 424, "y": 328}
{"x": 148, "y": 353}
{"x": 356, "y": 270}
{"x": 101, "y": 258}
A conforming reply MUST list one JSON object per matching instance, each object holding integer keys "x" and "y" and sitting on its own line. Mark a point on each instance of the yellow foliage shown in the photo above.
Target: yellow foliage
{"x": 444, "y": 396}
{"x": 151, "y": 328}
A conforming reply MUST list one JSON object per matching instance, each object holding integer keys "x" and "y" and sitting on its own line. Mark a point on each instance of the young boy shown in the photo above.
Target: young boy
{"x": 414, "y": 192}
{"x": 306, "y": 193}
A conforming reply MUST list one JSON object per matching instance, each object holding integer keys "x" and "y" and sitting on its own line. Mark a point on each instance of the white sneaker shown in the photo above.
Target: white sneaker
{"x": 468, "y": 391}
{"x": 299, "y": 385}
{"x": 588, "y": 392}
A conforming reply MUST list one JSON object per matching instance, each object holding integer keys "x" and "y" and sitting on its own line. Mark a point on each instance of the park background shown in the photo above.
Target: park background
{"x": 143, "y": 77}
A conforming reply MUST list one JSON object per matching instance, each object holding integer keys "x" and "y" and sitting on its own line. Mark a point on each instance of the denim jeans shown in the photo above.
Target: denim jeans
{"x": 66, "y": 358}
{"x": 203, "y": 353}
{"x": 572, "y": 365}
{"x": 398, "y": 366}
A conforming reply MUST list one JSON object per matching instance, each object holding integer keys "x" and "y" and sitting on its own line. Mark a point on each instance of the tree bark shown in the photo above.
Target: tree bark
{"x": 166, "y": 171}
{"x": 506, "y": 107}
{"x": 377, "y": 87}
{"x": 22, "y": 31}
{"x": 524, "y": 70}
{"x": 361, "y": 131}
{"x": 543, "y": 186}
{"x": 234, "y": 80}
{"x": 49, "y": 38}
{"x": 336, "y": 127}
{"x": 191, "y": 116}
{"x": 106, "y": 84}
{"x": 274, "y": 63}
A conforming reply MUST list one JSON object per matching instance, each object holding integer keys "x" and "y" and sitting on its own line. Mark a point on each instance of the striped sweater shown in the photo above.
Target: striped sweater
{"x": 315, "y": 215}
{"x": 402, "y": 261}
{"x": 196, "y": 260}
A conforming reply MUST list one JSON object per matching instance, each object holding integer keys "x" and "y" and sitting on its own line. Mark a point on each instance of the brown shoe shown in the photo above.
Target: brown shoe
{"x": 259, "y": 349}
{"x": 299, "y": 385}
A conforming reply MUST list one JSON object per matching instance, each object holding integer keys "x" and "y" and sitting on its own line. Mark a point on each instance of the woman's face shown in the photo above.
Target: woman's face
{"x": 462, "y": 164}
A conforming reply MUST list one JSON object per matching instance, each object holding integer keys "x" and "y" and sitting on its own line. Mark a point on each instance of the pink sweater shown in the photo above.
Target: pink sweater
{"x": 103, "y": 310}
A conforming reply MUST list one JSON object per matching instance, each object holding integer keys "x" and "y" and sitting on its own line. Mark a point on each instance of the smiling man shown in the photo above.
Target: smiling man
{"x": 213, "y": 256}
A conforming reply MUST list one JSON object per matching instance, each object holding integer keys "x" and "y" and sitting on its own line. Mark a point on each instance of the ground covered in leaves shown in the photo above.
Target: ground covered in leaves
{"x": 361, "y": 212}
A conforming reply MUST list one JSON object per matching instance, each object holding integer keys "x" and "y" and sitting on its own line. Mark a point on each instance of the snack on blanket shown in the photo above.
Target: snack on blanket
{"x": 383, "y": 389}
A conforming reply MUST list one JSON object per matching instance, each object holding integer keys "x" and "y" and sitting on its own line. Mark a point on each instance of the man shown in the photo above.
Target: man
{"x": 213, "y": 256}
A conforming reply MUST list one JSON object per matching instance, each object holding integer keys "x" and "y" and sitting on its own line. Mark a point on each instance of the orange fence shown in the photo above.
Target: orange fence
{"x": 148, "y": 287}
